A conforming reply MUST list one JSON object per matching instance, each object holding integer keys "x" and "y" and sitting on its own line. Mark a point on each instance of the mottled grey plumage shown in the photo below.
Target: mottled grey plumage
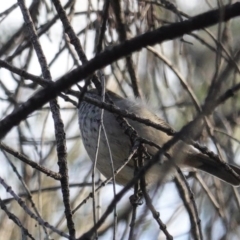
{"x": 89, "y": 119}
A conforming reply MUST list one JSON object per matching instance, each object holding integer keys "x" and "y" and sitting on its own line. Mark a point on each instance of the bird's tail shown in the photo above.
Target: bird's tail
{"x": 206, "y": 164}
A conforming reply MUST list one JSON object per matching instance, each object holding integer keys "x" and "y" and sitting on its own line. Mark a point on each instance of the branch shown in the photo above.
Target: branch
{"x": 113, "y": 54}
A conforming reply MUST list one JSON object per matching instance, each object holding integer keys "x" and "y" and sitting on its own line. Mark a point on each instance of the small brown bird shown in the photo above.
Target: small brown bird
{"x": 120, "y": 145}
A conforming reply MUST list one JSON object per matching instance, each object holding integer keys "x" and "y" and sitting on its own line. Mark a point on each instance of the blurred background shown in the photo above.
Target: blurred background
{"x": 164, "y": 76}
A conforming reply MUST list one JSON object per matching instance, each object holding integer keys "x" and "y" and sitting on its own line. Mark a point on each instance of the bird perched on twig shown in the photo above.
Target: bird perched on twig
{"x": 120, "y": 144}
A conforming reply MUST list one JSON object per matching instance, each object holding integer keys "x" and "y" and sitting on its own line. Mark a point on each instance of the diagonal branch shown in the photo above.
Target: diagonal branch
{"x": 108, "y": 56}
